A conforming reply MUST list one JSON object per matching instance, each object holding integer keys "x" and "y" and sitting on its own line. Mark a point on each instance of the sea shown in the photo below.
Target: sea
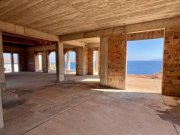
{"x": 133, "y": 67}
{"x": 139, "y": 67}
{"x": 144, "y": 67}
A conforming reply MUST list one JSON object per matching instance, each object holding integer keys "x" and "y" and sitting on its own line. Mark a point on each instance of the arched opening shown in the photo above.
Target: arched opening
{"x": 15, "y": 62}
{"x": 52, "y": 62}
{"x": 39, "y": 62}
{"x": 7, "y": 62}
{"x": 70, "y": 62}
{"x": 95, "y": 62}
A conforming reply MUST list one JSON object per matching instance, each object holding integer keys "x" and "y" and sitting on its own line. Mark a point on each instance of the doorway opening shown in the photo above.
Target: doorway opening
{"x": 95, "y": 62}
{"x": 39, "y": 62}
{"x": 52, "y": 62}
{"x": 7, "y": 62}
{"x": 16, "y": 62}
{"x": 144, "y": 65}
{"x": 70, "y": 62}
{"x": 11, "y": 62}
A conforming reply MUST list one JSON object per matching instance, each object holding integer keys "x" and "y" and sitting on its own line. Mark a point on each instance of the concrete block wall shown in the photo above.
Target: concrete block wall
{"x": 113, "y": 61}
{"x": 30, "y": 61}
{"x": 146, "y": 35}
{"x": 171, "y": 67}
{"x": 117, "y": 61}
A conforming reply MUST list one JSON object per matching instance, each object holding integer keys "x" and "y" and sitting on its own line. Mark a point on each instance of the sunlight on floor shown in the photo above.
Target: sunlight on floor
{"x": 90, "y": 80}
{"x": 125, "y": 91}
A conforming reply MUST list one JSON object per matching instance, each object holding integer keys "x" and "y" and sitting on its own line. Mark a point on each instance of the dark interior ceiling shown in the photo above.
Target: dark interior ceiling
{"x": 18, "y": 40}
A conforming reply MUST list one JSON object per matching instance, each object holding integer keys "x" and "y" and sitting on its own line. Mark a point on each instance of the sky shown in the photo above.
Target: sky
{"x": 145, "y": 49}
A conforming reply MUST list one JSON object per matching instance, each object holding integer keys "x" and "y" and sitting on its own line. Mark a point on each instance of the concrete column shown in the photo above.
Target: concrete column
{"x": 60, "y": 62}
{"x": 113, "y": 61}
{"x": 12, "y": 62}
{"x": 36, "y": 62}
{"x": 45, "y": 62}
{"x": 90, "y": 61}
{"x": 2, "y": 80}
{"x": 171, "y": 62}
{"x": 68, "y": 61}
{"x": 103, "y": 60}
{"x": 48, "y": 60}
{"x": 81, "y": 61}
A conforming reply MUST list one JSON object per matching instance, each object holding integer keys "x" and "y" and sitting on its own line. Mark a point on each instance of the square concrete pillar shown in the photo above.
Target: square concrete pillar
{"x": 45, "y": 61}
{"x": 12, "y": 62}
{"x": 171, "y": 65}
{"x": 90, "y": 61}
{"x": 31, "y": 61}
{"x": 59, "y": 62}
{"x": 113, "y": 61}
{"x": 2, "y": 80}
{"x": 81, "y": 61}
{"x": 103, "y": 60}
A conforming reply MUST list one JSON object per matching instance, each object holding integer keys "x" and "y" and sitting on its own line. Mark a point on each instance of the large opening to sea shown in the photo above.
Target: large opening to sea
{"x": 145, "y": 64}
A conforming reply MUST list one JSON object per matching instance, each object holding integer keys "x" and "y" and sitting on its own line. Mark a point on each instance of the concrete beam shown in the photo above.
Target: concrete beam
{"x": 134, "y": 28}
{"x": 25, "y": 31}
{"x": 74, "y": 43}
{"x": 92, "y": 45}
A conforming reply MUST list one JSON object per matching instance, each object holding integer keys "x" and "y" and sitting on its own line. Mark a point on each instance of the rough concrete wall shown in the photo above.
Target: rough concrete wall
{"x": 30, "y": 61}
{"x": 90, "y": 61}
{"x": 79, "y": 66}
{"x": 12, "y": 49}
{"x": 146, "y": 35}
{"x": 117, "y": 61}
{"x": 103, "y": 59}
{"x": 171, "y": 67}
{"x": 85, "y": 60}
{"x": 22, "y": 61}
{"x": 81, "y": 61}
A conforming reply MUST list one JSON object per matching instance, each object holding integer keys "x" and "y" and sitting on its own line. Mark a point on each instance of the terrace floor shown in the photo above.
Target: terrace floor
{"x": 80, "y": 106}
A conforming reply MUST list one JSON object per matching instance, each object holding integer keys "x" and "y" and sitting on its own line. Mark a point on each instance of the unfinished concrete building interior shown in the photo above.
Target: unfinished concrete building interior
{"x": 63, "y": 68}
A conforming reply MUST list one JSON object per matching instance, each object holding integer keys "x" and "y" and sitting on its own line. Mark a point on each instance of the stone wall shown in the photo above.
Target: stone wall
{"x": 171, "y": 67}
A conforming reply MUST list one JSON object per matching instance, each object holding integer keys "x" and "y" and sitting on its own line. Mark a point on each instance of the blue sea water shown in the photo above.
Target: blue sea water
{"x": 144, "y": 67}
{"x": 138, "y": 67}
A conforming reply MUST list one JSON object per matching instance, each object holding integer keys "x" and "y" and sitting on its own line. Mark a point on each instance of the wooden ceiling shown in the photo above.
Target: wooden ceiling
{"x": 70, "y": 16}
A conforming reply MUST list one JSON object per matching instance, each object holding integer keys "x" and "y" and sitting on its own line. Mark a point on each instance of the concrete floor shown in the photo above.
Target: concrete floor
{"x": 84, "y": 108}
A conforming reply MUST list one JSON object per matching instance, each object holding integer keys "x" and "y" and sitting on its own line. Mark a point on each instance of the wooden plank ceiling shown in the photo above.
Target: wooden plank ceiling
{"x": 70, "y": 16}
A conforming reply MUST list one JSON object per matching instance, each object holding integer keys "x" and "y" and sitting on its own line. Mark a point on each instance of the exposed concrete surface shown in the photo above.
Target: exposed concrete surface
{"x": 86, "y": 108}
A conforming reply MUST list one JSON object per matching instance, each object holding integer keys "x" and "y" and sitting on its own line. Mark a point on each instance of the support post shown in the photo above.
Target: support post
{"x": 68, "y": 61}
{"x": 12, "y": 62}
{"x": 45, "y": 61}
{"x": 90, "y": 61}
{"x": 81, "y": 61}
{"x": 2, "y": 80}
{"x": 103, "y": 59}
{"x": 113, "y": 61}
{"x": 171, "y": 62}
{"x": 59, "y": 62}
